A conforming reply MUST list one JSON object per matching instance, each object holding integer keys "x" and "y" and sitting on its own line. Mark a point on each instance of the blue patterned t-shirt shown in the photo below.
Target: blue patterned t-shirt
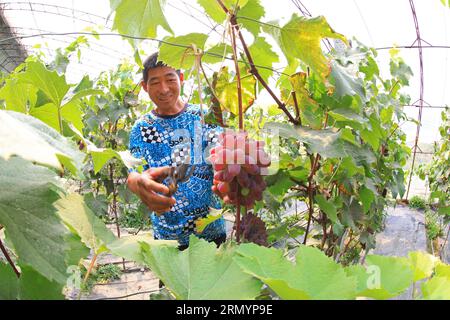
{"x": 169, "y": 141}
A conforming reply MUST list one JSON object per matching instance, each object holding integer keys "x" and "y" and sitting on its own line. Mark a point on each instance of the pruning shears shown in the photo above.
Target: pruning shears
{"x": 180, "y": 173}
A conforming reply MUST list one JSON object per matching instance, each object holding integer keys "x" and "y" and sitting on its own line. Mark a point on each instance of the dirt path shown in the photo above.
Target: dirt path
{"x": 404, "y": 232}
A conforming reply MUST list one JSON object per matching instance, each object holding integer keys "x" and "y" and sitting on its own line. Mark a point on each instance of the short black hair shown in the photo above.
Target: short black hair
{"x": 150, "y": 63}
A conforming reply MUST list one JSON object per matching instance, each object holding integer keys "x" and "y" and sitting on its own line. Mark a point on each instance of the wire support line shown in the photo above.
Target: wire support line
{"x": 427, "y": 106}
{"x": 132, "y": 37}
{"x": 54, "y": 10}
{"x": 415, "y": 47}
{"x": 73, "y": 37}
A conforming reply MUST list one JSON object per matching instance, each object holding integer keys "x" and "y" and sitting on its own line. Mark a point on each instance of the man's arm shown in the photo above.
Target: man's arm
{"x": 145, "y": 185}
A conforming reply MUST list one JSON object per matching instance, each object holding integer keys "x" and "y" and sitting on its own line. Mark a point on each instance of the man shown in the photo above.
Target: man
{"x": 170, "y": 135}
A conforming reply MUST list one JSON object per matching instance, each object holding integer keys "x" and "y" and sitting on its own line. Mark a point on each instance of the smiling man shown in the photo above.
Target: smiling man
{"x": 170, "y": 135}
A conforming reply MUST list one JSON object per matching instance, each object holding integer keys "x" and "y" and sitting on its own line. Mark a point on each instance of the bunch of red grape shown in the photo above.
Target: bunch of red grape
{"x": 239, "y": 163}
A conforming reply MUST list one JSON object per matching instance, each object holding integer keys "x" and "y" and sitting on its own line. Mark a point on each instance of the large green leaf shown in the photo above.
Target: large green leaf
{"x": 253, "y": 11}
{"x": 217, "y": 53}
{"x": 300, "y": 39}
{"x": 227, "y": 93}
{"x": 366, "y": 196}
{"x": 326, "y": 142}
{"x": 442, "y": 270}
{"x": 201, "y": 271}
{"x": 328, "y": 207}
{"x": 215, "y": 11}
{"x": 39, "y": 238}
{"x": 18, "y": 96}
{"x": 348, "y": 117}
{"x": 9, "y": 283}
{"x": 82, "y": 221}
{"x": 437, "y": 288}
{"x": 34, "y": 286}
{"x": 47, "y": 113}
{"x": 313, "y": 276}
{"x": 346, "y": 83}
{"x": 49, "y": 82}
{"x": 422, "y": 263}
{"x": 100, "y": 156}
{"x": 384, "y": 277}
{"x": 310, "y": 112}
{"x": 130, "y": 247}
{"x": 139, "y": 18}
{"x": 71, "y": 110}
{"x": 29, "y": 138}
{"x": 263, "y": 56}
{"x": 174, "y": 53}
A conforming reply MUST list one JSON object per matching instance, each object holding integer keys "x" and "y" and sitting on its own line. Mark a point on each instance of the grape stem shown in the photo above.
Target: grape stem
{"x": 6, "y": 254}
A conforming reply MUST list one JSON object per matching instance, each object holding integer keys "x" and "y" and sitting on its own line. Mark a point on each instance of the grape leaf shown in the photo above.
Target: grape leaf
{"x": 437, "y": 288}
{"x": 395, "y": 276}
{"x": 52, "y": 85}
{"x": 217, "y": 53}
{"x": 442, "y": 270}
{"x": 82, "y": 221}
{"x": 34, "y": 286}
{"x": 226, "y": 90}
{"x": 139, "y": 18}
{"x": 33, "y": 140}
{"x": 300, "y": 39}
{"x": 215, "y": 11}
{"x": 177, "y": 56}
{"x": 263, "y": 55}
{"x": 202, "y": 223}
{"x": 314, "y": 276}
{"x": 349, "y": 117}
{"x": 310, "y": 112}
{"x": 345, "y": 83}
{"x": 18, "y": 96}
{"x": 328, "y": 207}
{"x": 422, "y": 264}
{"x": 130, "y": 247}
{"x": 253, "y": 10}
{"x": 100, "y": 156}
{"x": 326, "y": 142}
{"x": 39, "y": 238}
{"x": 201, "y": 271}
{"x": 9, "y": 283}
{"x": 366, "y": 196}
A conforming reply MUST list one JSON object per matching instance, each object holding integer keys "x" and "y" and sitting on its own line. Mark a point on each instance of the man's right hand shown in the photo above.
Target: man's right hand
{"x": 145, "y": 185}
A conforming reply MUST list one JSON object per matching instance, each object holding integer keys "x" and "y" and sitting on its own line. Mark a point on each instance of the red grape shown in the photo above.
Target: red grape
{"x": 239, "y": 162}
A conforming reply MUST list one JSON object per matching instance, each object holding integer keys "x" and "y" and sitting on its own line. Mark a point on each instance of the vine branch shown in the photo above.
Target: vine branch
{"x": 253, "y": 69}
{"x": 6, "y": 254}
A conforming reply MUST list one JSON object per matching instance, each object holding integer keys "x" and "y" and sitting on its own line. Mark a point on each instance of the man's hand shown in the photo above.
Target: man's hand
{"x": 145, "y": 185}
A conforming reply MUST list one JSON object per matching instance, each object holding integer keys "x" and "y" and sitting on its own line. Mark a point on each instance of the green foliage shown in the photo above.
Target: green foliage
{"x": 101, "y": 275}
{"x": 200, "y": 272}
{"x": 29, "y": 138}
{"x": 437, "y": 172}
{"x": 39, "y": 238}
{"x": 89, "y": 227}
{"x": 300, "y": 39}
{"x": 314, "y": 276}
{"x": 417, "y": 202}
{"x": 433, "y": 225}
{"x": 145, "y": 15}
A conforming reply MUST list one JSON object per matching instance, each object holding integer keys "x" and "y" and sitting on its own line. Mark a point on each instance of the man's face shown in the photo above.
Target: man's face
{"x": 163, "y": 87}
